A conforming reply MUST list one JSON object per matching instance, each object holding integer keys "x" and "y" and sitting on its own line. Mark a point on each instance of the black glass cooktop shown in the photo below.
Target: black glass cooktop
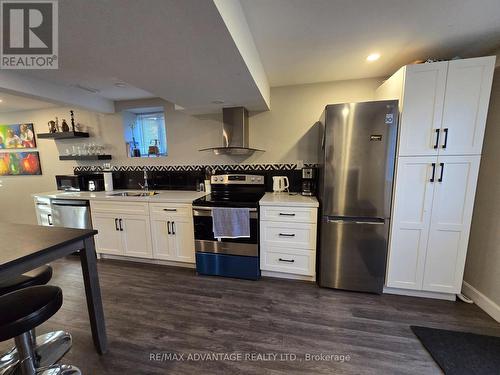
{"x": 229, "y": 200}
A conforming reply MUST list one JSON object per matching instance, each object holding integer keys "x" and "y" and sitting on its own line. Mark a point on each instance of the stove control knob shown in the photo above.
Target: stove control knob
{"x": 252, "y": 179}
{"x": 215, "y": 179}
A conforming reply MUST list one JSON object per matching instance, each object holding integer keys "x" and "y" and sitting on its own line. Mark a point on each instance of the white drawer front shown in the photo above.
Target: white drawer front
{"x": 289, "y": 214}
{"x": 290, "y": 235}
{"x": 161, "y": 210}
{"x": 120, "y": 207}
{"x": 301, "y": 262}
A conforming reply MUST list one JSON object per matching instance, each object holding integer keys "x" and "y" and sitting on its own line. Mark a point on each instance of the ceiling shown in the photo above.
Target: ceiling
{"x": 198, "y": 54}
{"x": 180, "y": 51}
{"x": 306, "y": 41}
{"x": 14, "y": 103}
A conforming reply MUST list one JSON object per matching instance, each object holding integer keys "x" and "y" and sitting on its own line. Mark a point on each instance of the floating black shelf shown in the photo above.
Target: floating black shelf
{"x": 84, "y": 157}
{"x": 63, "y": 135}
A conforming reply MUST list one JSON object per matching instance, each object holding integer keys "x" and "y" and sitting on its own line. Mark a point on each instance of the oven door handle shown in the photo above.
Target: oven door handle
{"x": 210, "y": 209}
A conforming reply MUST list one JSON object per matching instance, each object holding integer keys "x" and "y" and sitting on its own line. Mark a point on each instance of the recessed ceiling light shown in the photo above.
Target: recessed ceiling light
{"x": 120, "y": 84}
{"x": 1, "y": 100}
{"x": 218, "y": 101}
{"x": 373, "y": 57}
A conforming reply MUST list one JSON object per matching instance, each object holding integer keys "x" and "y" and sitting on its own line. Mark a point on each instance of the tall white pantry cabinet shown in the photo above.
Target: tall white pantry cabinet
{"x": 443, "y": 107}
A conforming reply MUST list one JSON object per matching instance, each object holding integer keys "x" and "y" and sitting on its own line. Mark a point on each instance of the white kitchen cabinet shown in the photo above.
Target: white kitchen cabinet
{"x": 422, "y": 108}
{"x": 109, "y": 238}
{"x": 123, "y": 228}
{"x": 443, "y": 106}
{"x": 410, "y": 222}
{"x": 432, "y": 212}
{"x": 293, "y": 261}
{"x": 136, "y": 236}
{"x": 288, "y": 240}
{"x": 286, "y": 214}
{"x": 452, "y": 208}
{"x": 43, "y": 211}
{"x": 290, "y": 235}
{"x": 443, "y": 117}
{"x": 467, "y": 96}
{"x": 172, "y": 232}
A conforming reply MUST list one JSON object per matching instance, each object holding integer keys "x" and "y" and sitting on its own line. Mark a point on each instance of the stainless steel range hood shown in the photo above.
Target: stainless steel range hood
{"x": 234, "y": 133}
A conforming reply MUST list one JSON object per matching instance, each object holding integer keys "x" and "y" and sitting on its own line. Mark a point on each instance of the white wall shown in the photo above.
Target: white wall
{"x": 482, "y": 269}
{"x": 286, "y": 133}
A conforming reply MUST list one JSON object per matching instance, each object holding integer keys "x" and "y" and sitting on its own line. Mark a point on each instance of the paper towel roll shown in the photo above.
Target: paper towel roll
{"x": 108, "y": 181}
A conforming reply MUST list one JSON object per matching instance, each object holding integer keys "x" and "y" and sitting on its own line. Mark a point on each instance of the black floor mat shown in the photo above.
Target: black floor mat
{"x": 460, "y": 353}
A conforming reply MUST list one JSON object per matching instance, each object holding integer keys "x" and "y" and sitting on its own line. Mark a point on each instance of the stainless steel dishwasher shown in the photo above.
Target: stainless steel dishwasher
{"x": 71, "y": 213}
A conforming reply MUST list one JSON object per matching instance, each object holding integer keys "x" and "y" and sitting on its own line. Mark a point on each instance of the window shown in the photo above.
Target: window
{"x": 147, "y": 137}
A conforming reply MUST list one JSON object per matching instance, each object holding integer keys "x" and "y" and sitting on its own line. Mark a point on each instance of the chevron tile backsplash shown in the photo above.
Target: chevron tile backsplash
{"x": 188, "y": 168}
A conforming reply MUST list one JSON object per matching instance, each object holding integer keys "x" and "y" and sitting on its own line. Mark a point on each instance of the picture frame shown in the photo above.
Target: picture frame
{"x": 17, "y": 136}
{"x": 25, "y": 163}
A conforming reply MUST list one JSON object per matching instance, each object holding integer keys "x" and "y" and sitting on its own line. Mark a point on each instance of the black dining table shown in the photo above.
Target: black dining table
{"x": 25, "y": 247}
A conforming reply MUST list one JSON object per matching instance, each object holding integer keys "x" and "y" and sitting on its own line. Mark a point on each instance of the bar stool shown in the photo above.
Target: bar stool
{"x": 49, "y": 347}
{"x": 22, "y": 311}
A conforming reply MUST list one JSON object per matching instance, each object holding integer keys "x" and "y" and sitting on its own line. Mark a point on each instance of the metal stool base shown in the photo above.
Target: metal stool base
{"x": 59, "y": 370}
{"x": 50, "y": 348}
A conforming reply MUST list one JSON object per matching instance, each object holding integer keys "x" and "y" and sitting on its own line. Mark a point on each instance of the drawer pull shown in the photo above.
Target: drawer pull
{"x": 285, "y": 214}
{"x": 170, "y": 209}
{"x": 287, "y": 235}
{"x": 286, "y": 260}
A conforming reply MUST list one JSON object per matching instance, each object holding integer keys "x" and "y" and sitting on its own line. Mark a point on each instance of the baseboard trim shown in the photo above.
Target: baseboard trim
{"x": 486, "y": 304}
{"x": 146, "y": 260}
{"x": 284, "y": 275}
{"x": 420, "y": 293}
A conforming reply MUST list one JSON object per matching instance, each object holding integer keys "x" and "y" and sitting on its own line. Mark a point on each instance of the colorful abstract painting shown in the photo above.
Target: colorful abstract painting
{"x": 17, "y": 136}
{"x": 20, "y": 163}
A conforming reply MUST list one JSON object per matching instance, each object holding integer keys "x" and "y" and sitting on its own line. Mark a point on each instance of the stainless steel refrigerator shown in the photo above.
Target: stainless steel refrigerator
{"x": 358, "y": 151}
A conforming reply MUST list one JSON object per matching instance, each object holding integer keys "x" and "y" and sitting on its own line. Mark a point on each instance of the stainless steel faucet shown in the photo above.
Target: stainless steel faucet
{"x": 145, "y": 187}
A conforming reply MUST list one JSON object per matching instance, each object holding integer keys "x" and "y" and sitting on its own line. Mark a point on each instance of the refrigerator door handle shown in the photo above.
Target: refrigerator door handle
{"x": 377, "y": 221}
{"x": 370, "y": 222}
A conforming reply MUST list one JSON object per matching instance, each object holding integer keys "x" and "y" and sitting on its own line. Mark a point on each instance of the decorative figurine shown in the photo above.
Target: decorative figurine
{"x": 52, "y": 126}
{"x": 57, "y": 125}
{"x": 65, "y": 127}
{"x": 72, "y": 120}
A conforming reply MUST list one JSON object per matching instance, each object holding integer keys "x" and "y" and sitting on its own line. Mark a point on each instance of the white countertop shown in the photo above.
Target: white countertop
{"x": 288, "y": 199}
{"x": 169, "y": 196}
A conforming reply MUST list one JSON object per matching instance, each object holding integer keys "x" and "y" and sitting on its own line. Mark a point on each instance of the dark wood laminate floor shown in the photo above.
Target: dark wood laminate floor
{"x": 152, "y": 309}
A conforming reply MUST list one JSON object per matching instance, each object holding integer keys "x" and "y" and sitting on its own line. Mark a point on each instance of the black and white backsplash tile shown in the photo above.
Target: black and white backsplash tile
{"x": 188, "y": 177}
{"x": 188, "y": 168}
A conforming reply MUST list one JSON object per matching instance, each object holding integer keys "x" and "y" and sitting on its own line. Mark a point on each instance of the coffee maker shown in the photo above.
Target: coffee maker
{"x": 308, "y": 181}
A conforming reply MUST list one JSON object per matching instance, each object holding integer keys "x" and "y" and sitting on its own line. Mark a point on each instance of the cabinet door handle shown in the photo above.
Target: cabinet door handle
{"x": 436, "y": 145}
{"x": 433, "y": 172}
{"x": 170, "y": 209}
{"x": 287, "y": 234}
{"x": 284, "y": 214}
{"x": 116, "y": 224}
{"x": 121, "y": 226}
{"x": 168, "y": 227}
{"x": 445, "y": 137}
{"x": 49, "y": 219}
{"x": 173, "y": 227}
{"x": 440, "y": 179}
{"x": 286, "y": 260}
